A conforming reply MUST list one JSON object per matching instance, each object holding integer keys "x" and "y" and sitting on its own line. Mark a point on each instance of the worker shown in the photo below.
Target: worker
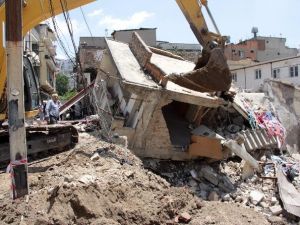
{"x": 52, "y": 109}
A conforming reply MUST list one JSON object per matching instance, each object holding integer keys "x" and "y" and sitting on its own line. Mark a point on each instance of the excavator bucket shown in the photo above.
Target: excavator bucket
{"x": 210, "y": 74}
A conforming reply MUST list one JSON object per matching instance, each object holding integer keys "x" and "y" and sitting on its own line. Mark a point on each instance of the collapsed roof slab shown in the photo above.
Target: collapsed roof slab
{"x": 135, "y": 78}
{"x": 127, "y": 65}
{"x": 214, "y": 76}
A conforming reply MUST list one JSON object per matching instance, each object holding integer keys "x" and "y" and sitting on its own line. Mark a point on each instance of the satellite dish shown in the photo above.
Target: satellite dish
{"x": 254, "y": 31}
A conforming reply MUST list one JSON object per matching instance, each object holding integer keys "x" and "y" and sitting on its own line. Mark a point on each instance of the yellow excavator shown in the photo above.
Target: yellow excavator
{"x": 211, "y": 73}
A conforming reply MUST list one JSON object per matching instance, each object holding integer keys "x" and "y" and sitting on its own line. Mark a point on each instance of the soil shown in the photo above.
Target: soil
{"x": 111, "y": 188}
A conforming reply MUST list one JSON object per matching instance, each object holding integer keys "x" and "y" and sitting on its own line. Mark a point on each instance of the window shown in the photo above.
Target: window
{"x": 291, "y": 71}
{"x": 234, "y": 77}
{"x": 241, "y": 54}
{"x": 258, "y": 74}
{"x": 294, "y": 71}
{"x": 276, "y": 73}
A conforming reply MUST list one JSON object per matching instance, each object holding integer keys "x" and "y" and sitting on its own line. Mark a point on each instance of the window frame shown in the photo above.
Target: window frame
{"x": 258, "y": 74}
{"x": 276, "y": 73}
{"x": 294, "y": 71}
{"x": 234, "y": 77}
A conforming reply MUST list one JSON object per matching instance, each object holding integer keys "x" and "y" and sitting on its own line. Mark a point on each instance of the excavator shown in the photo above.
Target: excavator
{"x": 211, "y": 73}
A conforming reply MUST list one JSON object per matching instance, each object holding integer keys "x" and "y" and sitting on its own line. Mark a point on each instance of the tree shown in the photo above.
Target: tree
{"x": 62, "y": 84}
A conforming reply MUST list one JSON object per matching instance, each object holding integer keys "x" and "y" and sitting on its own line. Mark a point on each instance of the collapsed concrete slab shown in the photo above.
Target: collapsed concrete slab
{"x": 159, "y": 121}
{"x": 145, "y": 111}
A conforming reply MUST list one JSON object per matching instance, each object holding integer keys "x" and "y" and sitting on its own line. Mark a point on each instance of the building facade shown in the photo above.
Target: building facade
{"x": 148, "y": 34}
{"x": 260, "y": 49}
{"x": 39, "y": 44}
{"x": 252, "y": 77}
{"x": 189, "y": 52}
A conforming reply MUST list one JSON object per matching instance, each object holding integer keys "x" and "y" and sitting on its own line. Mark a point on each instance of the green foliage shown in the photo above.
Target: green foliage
{"x": 69, "y": 94}
{"x": 62, "y": 84}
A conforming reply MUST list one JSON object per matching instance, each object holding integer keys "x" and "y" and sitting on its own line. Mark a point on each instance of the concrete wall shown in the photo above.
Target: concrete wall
{"x": 148, "y": 36}
{"x": 260, "y": 49}
{"x": 92, "y": 42}
{"x": 275, "y": 48}
{"x": 189, "y": 52}
{"x": 246, "y": 76}
{"x": 286, "y": 99}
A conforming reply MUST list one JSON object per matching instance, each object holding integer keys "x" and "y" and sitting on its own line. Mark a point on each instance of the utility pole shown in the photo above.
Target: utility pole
{"x": 15, "y": 96}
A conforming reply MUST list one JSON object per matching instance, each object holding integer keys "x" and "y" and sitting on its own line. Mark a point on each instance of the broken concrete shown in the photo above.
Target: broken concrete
{"x": 289, "y": 195}
{"x": 241, "y": 152}
{"x": 256, "y": 197}
{"x": 276, "y": 210}
{"x": 142, "y": 101}
{"x": 286, "y": 100}
{"x": 159, "y": 122}
{"x": 213, "y": 196}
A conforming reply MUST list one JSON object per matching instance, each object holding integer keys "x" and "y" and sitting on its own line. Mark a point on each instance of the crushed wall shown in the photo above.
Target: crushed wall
{"x": 286, "y": 100}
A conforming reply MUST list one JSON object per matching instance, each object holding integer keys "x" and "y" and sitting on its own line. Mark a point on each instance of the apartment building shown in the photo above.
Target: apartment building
{"x": 260, "y": 49}
{"x": 251, "y": 77}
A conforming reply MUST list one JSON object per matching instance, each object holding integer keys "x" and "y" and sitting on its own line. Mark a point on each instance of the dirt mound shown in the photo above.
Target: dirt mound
{"x": 98, "y": 183}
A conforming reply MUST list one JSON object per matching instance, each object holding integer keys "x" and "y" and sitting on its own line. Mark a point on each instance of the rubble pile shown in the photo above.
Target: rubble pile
{"x": 101, "y": 183}
{"x": 223, "y": 182}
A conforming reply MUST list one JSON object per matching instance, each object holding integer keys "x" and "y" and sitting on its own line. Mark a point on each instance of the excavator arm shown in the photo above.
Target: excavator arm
{"x": 211, "y": 72}
{"x": 192, "y": 10}
{"x": 34, "y": 12}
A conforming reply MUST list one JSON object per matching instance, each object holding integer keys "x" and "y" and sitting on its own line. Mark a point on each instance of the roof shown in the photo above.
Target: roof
{"x": 132, "y": 73}
{"x": 128, "y": 66}
{"x": 142, "y": 28}
{"x": 266, "y": 62}
{"x": 240, "y": 63}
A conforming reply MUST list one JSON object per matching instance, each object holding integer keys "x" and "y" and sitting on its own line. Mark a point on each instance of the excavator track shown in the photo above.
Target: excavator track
{"x": 41, "y": 139}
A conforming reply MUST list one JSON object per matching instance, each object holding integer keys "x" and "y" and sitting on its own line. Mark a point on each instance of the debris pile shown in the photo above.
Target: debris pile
{"x": 223, "y": 182}
{"x": 101, "y": 183}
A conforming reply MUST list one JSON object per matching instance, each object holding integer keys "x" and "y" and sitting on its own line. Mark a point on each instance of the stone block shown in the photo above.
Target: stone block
{"x": 276, "y": 210}
{"x": 226, "y": 198}
{"x": 184, "y": 217}
{"x": 264, "y": 205}
{"x": 273, "y": 200}
{"x": 213, "y": 196}
{"x": 256, "y": 197}
{"x": 95, "y": 157}
{"x": 209, "y": 174}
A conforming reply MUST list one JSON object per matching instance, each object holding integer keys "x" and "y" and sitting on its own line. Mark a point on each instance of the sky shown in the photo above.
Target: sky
{"x": 235, "y": 18}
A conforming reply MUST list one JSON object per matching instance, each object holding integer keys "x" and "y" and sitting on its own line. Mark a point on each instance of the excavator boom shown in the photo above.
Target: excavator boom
{"x": 34, "y": 12}
{"x": 211, "y": 72}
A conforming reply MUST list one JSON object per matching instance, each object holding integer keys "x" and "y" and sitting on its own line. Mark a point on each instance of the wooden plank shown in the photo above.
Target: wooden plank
{"x": 206, "y": 147}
